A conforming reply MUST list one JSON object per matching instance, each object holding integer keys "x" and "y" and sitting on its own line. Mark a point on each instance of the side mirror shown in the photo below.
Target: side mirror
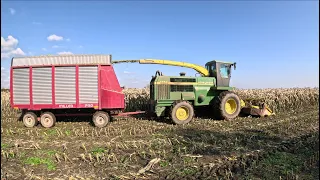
{"x": 234, "y": 66}
{"x": 229, "y": 71}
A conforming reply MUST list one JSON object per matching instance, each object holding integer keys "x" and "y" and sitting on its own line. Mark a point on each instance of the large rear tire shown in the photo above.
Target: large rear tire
{"x": 47, "y": 119}
{"x": 227, "y": 105}
{"x": 100, "y": 119}
{"x": 181, "y": 112}
{"x": 30, "y": 119}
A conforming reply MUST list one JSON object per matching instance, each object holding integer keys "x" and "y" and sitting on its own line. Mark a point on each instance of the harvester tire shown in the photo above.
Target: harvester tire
{"x": 101, "y": 119}
{"x": 47, "y": 119}
{"x": 30, "y": 119}
{"x": 227, "y": 105}
{"x": 181, "y": 112}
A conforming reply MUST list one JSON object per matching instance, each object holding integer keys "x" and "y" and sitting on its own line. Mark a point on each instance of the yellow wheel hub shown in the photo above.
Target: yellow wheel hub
{"x": 182, "y": 113}
{"x": 230, "y": 106}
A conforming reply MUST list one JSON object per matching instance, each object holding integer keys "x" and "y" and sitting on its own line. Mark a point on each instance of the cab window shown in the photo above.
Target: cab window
{"x": 213, "y": 67}
{"x": 224, "y": 71}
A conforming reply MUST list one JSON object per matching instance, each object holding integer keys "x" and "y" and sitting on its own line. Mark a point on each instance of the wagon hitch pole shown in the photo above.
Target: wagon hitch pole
{"x": 129, "y": 113}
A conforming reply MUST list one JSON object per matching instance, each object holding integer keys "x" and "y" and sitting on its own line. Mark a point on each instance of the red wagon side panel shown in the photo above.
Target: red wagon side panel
{"x": 110, "y": 93}
{"x": 20, "y": 88}
{"x": 60, "y": 82}
{"x": 88, "y": 87}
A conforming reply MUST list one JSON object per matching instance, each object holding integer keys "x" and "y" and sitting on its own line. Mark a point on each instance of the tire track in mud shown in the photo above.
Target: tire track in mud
{"x": 235, "y": 167}
{"x": 228, "y": 169}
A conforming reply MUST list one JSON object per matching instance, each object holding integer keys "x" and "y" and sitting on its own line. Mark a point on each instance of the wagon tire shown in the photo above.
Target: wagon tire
{"x": 100, "y": 119}
{"x": 47, "y": 119}
{"x": 30, "y": 119}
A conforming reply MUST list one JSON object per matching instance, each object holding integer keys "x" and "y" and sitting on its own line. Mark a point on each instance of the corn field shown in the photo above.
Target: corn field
{"x": 277, "y": 99}
{"x": 6, "y": 110}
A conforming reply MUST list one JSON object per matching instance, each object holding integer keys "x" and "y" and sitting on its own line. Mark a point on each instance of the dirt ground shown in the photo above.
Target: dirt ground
{"x": 285, "y": 146}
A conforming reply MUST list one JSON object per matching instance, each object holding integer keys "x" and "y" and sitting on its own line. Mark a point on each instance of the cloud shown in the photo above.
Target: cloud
{"x": 56, "y": 46}
{"x": 54, "y": 37}
{"x": 9, "y": 54}
{"x": 17, "y": 51}
{"x": 12, "y": 11}
{"x": 36, "y": 23}
{"x": 43, "y": 49}
{"x": 9, "y": 48}
{"x": 5, "y": 78}
{"x": 68, "y": 39}
{"x": 80, "y": 46}
{"x": 8, "y": 44}
{"x": 128, "y": 72}
{"x": 65, "y": 53}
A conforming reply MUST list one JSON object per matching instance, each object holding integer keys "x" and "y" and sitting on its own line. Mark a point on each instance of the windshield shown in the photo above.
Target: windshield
{"x": 211, "y": 67}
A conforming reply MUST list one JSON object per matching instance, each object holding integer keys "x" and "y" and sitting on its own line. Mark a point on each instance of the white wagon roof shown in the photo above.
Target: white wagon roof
{"x": 48, "y": 60}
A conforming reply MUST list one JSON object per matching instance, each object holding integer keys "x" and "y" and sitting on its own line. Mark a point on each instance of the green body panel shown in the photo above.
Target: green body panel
{"x": 224, "y": 88}
{"x": 203, "y": 95}
{"x": 160, "y": 110}
{"x": 200, "y": 92}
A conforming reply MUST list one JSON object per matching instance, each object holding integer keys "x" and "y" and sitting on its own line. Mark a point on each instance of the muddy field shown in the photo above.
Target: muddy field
{"x": 282, "y": 147}
{"x": 286, "y": 146}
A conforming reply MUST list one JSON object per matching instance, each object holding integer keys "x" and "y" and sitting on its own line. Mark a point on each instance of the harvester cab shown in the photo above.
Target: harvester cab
{"x": 221, "y": 71}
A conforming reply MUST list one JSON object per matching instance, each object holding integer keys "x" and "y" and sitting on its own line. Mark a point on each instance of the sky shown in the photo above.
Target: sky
{"x": 274, "y": 43}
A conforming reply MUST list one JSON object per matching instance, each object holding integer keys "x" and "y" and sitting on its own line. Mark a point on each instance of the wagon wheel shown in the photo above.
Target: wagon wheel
{"x": 47, "y": 119}
{"x": 30, "y": 119}
{"x": 100, "y": 119}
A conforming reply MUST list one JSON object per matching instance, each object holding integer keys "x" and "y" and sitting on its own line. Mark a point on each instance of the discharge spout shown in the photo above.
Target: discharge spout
{"x": 200, "y": 69}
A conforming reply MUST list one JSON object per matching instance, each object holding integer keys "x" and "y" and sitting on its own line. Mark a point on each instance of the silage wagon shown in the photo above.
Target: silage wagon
{"x": 44, "y": 87}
